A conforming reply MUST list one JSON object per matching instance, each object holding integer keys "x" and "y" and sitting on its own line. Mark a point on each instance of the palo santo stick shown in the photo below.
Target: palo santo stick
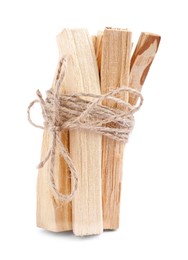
{"x": 51, "y": 214}
{"x": 97, "y": 44}
{"x": 94, "y": 41}
{"x": 98, "y": 48}
{"x": 85, "y": 147}
{"x": 141, "y": 61}
{"x": 115, "y": 65}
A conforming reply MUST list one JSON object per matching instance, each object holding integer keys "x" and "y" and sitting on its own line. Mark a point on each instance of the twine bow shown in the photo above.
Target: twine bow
{"x": 67, "y": 112}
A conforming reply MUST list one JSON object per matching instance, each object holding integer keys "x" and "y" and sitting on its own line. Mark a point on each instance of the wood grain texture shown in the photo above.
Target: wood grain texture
{"x": 113, "y": 57}
{"x": 115, "y": 65}
{"x": 98, "y": 48}
{"x": 94, "y": 41}
{"x": 51, "y": 214}
{"x": 85, "y": 148}
{"x": 141, "y": 61}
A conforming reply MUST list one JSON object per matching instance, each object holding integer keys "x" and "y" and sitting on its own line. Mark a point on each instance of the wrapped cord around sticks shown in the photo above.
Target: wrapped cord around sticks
{"x": 68, "y": 112}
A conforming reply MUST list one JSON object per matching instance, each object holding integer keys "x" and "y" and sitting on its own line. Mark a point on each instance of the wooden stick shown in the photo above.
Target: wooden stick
{"x": 97, "y": 44}
{"x": 85, "y": 148}
{"x": 115, "y": 64}
{"x": 98, "y": 48}
{"x": 94, "y": 41}
{"x": 51, "y": 215}
{"x": 141, "y": 61}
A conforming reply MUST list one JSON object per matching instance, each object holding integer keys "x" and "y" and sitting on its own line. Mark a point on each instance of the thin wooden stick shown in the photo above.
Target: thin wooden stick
{"x": 115, "y": 64}
{"x": 52, "y": 215}
{"x": 141, "y": 61}
{"x": 98, "y": 48}
{"x": 94, "y": 41}
{"x": 85, "y": 148}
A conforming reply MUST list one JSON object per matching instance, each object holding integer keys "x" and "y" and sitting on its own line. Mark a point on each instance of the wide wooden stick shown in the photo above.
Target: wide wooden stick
{"x": 85, "y": 148}
{"x": 115, "y": 64}
{"x": 51, "y": 214}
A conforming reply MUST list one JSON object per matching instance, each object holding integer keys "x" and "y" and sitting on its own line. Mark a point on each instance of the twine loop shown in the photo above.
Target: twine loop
{"x": 82, "y": 111}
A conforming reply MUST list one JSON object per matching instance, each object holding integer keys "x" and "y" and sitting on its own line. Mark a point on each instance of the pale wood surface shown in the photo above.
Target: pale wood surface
{"x": 94, "y": 41}
{"x": 85, "y": 147}
{"x": 115, "y": 65}
{"x": 98, "y": 48}
{"x": 113, "y": 56}
{"x": 141, "y": 61}
{"x": 51, "y": 214}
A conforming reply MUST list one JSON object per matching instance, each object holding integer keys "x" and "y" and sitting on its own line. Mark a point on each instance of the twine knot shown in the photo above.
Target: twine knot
{"x": 75, "y": 111}
{"x": 54, "y": 128}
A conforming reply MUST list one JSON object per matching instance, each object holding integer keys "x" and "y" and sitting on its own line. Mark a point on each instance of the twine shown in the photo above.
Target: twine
{"x": 71, "y": 111}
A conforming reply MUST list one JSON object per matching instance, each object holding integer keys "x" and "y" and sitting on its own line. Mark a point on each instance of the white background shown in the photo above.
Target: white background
{"x": 154, "y": 205}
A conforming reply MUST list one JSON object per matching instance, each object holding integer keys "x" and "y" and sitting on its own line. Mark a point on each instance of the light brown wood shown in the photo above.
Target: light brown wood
{"x": 141, "y": 61}
{"x": 94, "y": 41}
{"x": 112, "y": 54}
{"x": 85, "y": 148}
{"x": 51, "y": 214}
{"x": 115, "y": 65}
{"x": 98, "y": 48}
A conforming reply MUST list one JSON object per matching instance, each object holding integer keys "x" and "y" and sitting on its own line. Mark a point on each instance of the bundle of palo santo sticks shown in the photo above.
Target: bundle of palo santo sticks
{"x": 96, "y": 65}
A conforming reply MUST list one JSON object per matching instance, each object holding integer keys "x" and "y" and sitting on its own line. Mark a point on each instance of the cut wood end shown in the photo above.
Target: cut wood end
{"x": 73, "y": 29}
{"x": 146, "y": 40}
{"x": 151, "y": 34}
{"x": 151, "y": 37}
{"x": 118, "y": 29}
{"x": 147, "y": 45}
{"x": 69, "y": 31}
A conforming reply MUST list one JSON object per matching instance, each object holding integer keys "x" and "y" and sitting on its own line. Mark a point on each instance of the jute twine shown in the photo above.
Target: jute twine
{"x": 71, "y": 111}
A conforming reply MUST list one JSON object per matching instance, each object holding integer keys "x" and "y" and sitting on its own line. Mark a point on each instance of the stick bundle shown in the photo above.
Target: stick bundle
{"x": 95, "y": 65}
